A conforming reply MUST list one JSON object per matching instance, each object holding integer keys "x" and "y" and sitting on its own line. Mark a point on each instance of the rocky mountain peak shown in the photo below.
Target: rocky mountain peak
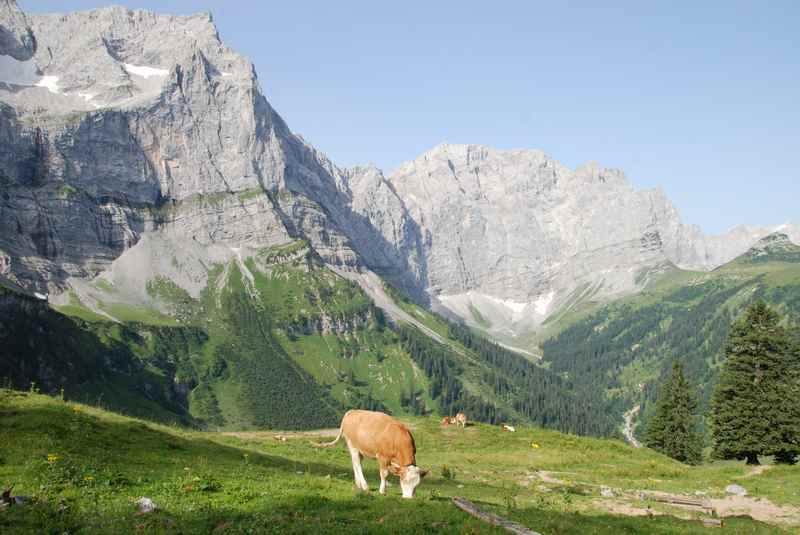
{"x": 776, "y": 247}
{"x": 775, "y": 239}
{"x": 16, "y": 37}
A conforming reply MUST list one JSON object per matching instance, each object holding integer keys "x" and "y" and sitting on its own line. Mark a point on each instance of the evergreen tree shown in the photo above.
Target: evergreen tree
{"x": 673, "y": 430}
{"x": 754, "y": 407}
{"x": 789, "y": 449}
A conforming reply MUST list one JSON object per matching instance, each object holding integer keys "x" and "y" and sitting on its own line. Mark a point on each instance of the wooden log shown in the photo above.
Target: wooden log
{"x": 679, "y": 500}
{"x": 491, "y": 518}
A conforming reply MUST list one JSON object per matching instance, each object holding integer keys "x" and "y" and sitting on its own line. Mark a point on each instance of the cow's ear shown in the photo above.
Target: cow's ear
{"x": 423, "y": 473}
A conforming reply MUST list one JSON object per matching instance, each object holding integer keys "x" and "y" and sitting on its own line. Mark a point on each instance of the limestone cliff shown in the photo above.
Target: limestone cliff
{"x": 135, "y": 145}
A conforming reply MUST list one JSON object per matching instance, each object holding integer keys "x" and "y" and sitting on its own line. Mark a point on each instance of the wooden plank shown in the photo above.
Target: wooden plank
{"x": 513, "y": 527}
{"x": 679, "y": 500}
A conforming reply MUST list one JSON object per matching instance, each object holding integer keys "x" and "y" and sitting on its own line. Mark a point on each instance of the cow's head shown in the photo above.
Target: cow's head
{"x": 410, "y": 476}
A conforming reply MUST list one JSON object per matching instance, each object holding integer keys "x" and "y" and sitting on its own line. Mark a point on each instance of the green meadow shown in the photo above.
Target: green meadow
{"x": 83, "y": 468}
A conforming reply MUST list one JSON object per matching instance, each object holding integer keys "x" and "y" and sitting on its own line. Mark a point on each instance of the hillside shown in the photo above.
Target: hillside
{"x": 274, "y": 340}
{"x": 278, "y": 340}
{"x": 628, "y": 345}
{"x": 83, "y": 467}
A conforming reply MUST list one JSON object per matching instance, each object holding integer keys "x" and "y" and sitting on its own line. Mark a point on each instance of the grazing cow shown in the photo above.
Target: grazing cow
{"x": 379, "y": 436}
{"x": 461, "y": 419}
{"x": 509, "y": 428}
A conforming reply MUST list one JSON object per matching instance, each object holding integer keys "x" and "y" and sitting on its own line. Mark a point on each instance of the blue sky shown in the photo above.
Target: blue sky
{"x": 702, "y": 98}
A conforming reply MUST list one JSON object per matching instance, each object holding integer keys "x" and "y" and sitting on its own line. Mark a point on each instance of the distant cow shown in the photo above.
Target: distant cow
{"x": 461, "y": 419}
{"x": 509, "y": 428}
{"x": 446, "y": 421}
{"x": 379, "y": 436}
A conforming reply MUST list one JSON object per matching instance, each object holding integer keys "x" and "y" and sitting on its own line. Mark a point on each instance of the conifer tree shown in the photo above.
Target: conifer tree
{"x": 789, "y": 449}
{"x": 755, "y": 405}
{"x": 673, "y": 429}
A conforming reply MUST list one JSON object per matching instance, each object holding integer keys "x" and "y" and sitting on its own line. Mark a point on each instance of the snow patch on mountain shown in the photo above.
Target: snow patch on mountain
{"x": 495, "y": 310}
{"x": 145, "y": 71}
{"x": 542, "y": 304}
{"x": 51, "y": 83}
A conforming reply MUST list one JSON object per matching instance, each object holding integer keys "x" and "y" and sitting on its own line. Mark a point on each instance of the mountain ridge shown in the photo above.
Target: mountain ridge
{"x": 239, "y": 178}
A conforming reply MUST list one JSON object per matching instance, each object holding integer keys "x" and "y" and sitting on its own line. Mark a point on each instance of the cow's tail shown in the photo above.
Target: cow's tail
{"x": 328, "y": 444}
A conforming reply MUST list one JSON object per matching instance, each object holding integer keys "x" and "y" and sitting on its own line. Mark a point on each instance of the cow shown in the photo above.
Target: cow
{"x": 379, "y": 436}
{"x": 446, "y": 421}
{"x": 509, "y": 428}
{"x": 461, "y": 419}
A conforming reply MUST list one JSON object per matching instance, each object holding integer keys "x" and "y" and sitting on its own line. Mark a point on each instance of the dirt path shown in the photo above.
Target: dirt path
{"x": 547, "y": 477}
{"x": 628, "y": 429}
{"x": 759, "y": 508}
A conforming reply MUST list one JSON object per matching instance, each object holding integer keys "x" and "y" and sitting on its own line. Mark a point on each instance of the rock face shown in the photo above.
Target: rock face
{"x": 509, "y": 236}
{"x": 16, "y": 38}
{"x": 514, "y": 229}
{"x": 122, "y": 124}
{"x": 135, "y": 145}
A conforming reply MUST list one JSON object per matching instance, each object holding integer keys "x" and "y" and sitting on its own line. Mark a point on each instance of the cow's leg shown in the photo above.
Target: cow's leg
{"x": 384, "y": 469}
{"x": 355, "y": 455}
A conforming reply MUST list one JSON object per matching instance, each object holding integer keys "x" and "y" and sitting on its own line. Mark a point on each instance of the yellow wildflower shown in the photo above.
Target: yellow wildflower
{"x": 51, "y": 458}
{"x": 88, "y": 478}
{"x": 535, "y": 445}
{"x": 76, "y": 409}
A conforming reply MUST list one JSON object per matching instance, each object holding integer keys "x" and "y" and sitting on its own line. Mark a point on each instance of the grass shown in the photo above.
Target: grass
{"x": 138, "y": 314}
{"x": 99, "y": 463}
{"x": 428, "y": 319}
{"x": 252, "y": 193}
{"x": 77, "y": 309}
{"x": 375, "y": 358}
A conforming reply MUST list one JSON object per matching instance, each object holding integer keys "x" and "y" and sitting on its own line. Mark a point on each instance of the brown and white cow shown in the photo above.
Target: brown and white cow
{"x": 379, "y": 436}
{"x": 461, "y": 419}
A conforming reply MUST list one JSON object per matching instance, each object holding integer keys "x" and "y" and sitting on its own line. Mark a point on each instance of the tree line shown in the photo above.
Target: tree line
{"x": 755, "y": 405}
{"x": 534, "y": 393}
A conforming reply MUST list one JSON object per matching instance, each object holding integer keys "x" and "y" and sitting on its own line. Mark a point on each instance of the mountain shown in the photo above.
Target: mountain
{"x": 152, "y": 195}
{"x": 627, "y": 347}
{"x": 512, "y": 236}
{"x": 169, "y": 246}
{"x": 127, "y": 124}
{"x": 129, "y": 134}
